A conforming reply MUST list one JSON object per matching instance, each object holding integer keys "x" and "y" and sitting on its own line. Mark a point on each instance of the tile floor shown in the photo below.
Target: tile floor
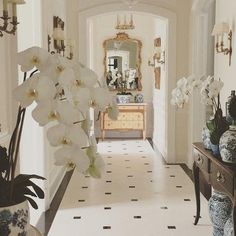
{"x": 137, "y": 196}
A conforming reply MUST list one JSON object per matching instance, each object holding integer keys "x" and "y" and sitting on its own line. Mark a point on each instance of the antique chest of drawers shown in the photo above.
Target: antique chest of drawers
{"x": 132, "y": 116}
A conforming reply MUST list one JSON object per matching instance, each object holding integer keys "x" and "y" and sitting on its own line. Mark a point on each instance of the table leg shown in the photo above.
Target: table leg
{"x": 234, "y": 217}
{"x": 103, "y": 135}
{"x": 197, "y": 191}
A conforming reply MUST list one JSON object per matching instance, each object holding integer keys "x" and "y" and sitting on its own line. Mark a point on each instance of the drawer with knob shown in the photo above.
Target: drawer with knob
{"x": 202, "y": 161}
{"x": 221, "y": 179}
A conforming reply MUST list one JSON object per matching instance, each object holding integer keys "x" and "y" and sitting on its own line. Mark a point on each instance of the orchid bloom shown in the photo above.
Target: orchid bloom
{"x": 72, "y": 157}
{"x": 64, "y": 91}
{"x": 67, "y": 135}
{"x": 33, "y": 57}
{"x": 37, "y": 88}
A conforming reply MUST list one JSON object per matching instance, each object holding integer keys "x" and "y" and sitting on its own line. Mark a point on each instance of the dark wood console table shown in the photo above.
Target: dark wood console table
{"x": 217, "y": 174}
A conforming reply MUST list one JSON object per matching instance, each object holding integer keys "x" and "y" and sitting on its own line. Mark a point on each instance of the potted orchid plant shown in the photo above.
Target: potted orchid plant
{"x": 210, "y": 95}
{"x": 63, "y": 91}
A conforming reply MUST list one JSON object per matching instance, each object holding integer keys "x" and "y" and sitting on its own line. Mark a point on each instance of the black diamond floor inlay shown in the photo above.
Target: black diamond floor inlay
{"x": 149, "y": 171}
{"x": 106, "y": 227}
{"x": 187, "y": 200}
{"x": 134, "y": 200}
{"x": 84, "y": 187}
{"x": 179, "y": 186}
{"x": 107, "y": 208}
{"x": 164, "y": 208}
{"x": 172, "y": 176}
{"x": 132, "y": 186}
{"x": 108, "y": 193}
{"x": 108, "y": 181}
{"x": 130, "y": 176}
{"x": 137, "y": 217}
{"x": 109, "y": 171}
{"x": 171, "y": 227}
{"x": 81, "y": 200}
{"x": 77, "y": 217}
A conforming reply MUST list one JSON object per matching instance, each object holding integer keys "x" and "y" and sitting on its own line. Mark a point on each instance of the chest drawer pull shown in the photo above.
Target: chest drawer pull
{"x": 199, "y": 159}
{"x": 220, "y": 177}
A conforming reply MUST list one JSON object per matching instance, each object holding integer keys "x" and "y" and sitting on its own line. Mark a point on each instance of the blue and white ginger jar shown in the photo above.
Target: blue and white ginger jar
{"x": 227, "y": 145}
{"x": 229, "y": 227}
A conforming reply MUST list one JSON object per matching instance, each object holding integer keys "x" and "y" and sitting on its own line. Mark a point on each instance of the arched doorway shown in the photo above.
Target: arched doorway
{"x": 85, "y": 56}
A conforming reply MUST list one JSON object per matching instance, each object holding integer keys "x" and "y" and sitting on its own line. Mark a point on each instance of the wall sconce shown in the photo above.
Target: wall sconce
{"x": 219, "y": 31}
{"x": 58, "y": 37}
{"x": 158, "y": 55}
{"x": 4, "y": 27}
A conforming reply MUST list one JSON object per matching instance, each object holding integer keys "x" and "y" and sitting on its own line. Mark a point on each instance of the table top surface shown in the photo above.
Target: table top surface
{"x": 227, "y": 166}
{"x": 132, "y": 104}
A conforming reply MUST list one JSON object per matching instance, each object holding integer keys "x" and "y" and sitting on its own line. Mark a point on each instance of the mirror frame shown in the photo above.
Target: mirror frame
{"x": 122, "y": 36}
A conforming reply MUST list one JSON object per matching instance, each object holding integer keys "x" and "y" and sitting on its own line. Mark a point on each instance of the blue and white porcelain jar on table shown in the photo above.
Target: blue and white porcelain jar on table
{"x": 228, "y": 145}
{"x": 220, "y": 210}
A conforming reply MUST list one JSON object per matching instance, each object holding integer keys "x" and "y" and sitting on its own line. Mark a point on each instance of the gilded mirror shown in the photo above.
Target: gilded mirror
{"x": 122, "y": 62}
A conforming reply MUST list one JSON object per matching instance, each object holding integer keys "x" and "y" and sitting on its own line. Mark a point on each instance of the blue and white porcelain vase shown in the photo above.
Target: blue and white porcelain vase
{"x": 123, "y": 98}
{"x": 228, "y": 145}
{"x": 138, "y": 98}
{"x": 14, "y": 220}
{"x": 206, "y": 138}
{"x": 229, "y": 227}
{"x": 220, "y": 208}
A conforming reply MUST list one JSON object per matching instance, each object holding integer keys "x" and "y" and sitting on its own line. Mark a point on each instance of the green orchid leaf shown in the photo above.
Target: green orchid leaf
{"x": 32, "y": 203}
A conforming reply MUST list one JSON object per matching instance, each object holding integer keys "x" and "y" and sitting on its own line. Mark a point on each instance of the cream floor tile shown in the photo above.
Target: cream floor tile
{"x": 137, "y": 196}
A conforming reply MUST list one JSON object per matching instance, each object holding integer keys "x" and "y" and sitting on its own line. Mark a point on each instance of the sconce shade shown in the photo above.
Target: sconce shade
{"x": 220, "y": 28}
{"x": 58, "y": 34}
{"x": 17, "y": 1}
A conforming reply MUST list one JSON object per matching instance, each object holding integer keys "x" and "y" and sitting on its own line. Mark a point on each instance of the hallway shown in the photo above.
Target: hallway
{"x": 137, "y": 195}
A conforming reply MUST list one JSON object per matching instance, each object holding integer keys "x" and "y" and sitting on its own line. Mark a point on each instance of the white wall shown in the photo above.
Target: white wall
{"x": 226, "y": 13}
{"x": 159, "y": 97}
{"x": 36, "y": 154}
{"x": 102, "y": 28}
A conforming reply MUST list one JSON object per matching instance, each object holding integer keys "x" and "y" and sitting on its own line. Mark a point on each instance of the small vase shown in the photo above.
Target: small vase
{"x": 215, "y": 150}
{"x": 228, "y": 145}
{"x": 14, "y": 220}
{"x": 206, "y": 138}
{"x": 138, "y": 98}
{"x": 220, "y": 208}
{"x": 229, "y": 227}
{"x": 123, "y": 98}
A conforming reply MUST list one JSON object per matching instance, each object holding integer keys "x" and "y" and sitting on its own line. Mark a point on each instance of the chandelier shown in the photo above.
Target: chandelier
{"x": 124, "y": 25}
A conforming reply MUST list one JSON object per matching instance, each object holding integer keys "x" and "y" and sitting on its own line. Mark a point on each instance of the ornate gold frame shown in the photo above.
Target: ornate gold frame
{"x": 122, "y": 36}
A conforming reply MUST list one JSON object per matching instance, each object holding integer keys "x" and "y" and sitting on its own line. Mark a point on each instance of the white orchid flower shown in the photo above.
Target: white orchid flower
{"x": 214, "y": 88}
{"x": 45, "y": 112}
{"x": 33, "y": 57}
{"x": 61, "y": 111}
{"x": 84, "y": 76}
{"x": 26, "y": 92}
{"x": 67, "y": 135}
{"x": 79, "y": 97}
{"x": 68, "y": 114}
{"x": 57, "y": 66}
{"x": 72, "y": 157}
{"x": 37, "y": 88}
{"x": 100, "y": 98}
